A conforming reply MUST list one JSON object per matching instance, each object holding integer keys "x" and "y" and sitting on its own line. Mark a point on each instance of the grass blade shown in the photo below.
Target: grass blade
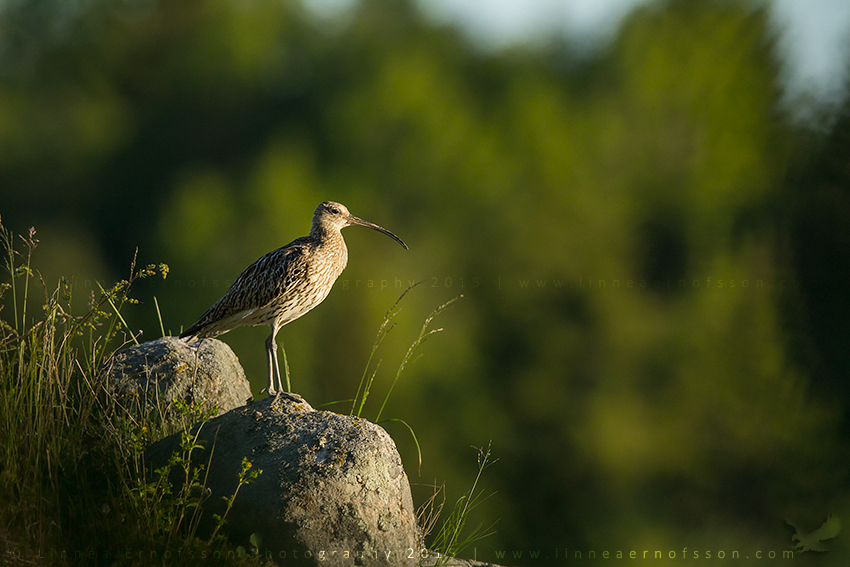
{"x": 383, "y": 331}
{"x": 117, "y": 312}
{"x": 423, "y": 335}
{"x": 159, "y": 316}
{"x": 412, "y": 434}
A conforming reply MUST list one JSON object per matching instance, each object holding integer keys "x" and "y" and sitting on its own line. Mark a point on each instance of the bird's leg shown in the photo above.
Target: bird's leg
{"x": 274, "y": 371}
{"x": 285, "y": 370}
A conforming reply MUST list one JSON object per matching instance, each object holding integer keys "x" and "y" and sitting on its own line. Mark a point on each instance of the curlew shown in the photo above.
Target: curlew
{"x": 285, "y": 284}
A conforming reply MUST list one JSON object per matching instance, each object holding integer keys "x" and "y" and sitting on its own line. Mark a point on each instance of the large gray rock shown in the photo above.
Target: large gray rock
{"x": 333, "y": 490}
{"x": 147, "y": 379}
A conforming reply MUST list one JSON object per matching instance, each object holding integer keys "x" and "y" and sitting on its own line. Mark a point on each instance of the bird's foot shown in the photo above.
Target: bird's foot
{"x": 288, "y": 396}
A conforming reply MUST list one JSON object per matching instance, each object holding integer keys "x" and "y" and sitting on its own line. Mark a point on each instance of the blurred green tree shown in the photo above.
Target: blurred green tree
{"x": 620, "y": 226}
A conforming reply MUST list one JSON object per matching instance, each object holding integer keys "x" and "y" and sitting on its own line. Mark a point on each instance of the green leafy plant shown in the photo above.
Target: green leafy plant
{"x": 246, "y": 476}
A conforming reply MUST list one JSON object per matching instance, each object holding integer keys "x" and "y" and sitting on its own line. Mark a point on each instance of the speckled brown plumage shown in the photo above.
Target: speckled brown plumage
{"x": 285, "y": 284}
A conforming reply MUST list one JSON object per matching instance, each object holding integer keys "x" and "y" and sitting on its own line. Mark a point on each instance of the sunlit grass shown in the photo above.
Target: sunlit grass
{"x": 73, "y": 484}
{"x": 364, "y": 388}
{"x": 454, "y": 536}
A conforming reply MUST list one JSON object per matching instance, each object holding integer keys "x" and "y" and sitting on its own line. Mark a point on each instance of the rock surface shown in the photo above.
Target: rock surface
{"x": 333, "y": 490}
{"x": 431, "y": 560}
{"x": 169, "y": 369}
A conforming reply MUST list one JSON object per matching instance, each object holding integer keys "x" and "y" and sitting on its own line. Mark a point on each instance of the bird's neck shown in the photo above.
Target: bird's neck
{"x": 332, "y": 247}
{"x": 326, "y": 237}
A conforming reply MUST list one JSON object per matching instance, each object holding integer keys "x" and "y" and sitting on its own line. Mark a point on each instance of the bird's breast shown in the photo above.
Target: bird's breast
{"x": 324, "y": 267}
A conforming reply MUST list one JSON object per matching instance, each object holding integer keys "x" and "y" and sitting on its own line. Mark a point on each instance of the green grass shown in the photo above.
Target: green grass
{"x": 453, "y": 536}
{"x": 73, "y": 484}
{"x": 364, "y": 388}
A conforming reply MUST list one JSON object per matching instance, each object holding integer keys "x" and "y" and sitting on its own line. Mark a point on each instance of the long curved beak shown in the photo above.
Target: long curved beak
{"x": 355, "y": 220}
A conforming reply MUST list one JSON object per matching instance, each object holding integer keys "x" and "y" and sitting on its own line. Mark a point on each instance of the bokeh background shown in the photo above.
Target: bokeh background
{"x": 650, "y": 232}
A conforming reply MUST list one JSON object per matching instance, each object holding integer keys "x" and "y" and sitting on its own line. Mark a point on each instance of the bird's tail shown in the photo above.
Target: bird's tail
{"x": 201, "y": 329}
{"x": 193, "y": 333}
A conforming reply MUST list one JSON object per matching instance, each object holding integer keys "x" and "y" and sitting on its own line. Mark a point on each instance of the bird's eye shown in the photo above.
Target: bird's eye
{"x": 333, "y": 210}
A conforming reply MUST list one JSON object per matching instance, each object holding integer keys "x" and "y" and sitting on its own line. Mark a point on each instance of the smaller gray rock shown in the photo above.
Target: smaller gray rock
{"x": 157, "y": 373}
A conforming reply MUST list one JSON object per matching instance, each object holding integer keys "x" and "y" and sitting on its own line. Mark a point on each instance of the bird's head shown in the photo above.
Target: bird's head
{"x": 332, "y": 216}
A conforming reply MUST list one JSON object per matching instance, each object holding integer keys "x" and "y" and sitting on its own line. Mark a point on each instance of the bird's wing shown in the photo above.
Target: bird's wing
{"x": 256, "y": 287}
{"x": 265, "y": 280}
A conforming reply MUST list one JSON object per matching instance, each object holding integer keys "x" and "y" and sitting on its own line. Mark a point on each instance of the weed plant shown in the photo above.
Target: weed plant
{"x": 73, "y": 485}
